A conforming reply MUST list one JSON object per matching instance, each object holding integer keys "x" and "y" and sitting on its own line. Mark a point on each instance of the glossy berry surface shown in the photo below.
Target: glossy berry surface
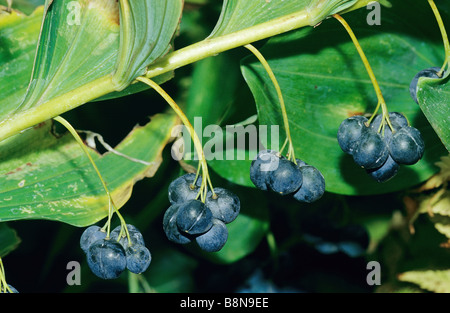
{"x": 265, "y": 162}
{"x": 183, "y": 188}
{"x": 387, "y": 171}
{"x": 215, "y": 238}
{"x": 407, "y": 146}
{"x": 138, "y": 258}
{"x": 313, "y": 186}
{"x": 135, "y": 236}
{"x": 224, "y": 206}
{"x": 91, "y": 235}
{"x": 106, "y": 259}
{"x": 397, "y": 120}
{"x": 431, "y": 72}
{"x": 371, "y": 152}
{"x": 350, "y": 132}
{"x": 194, "y": 217}
{"x": 170, "y": 226}
{"x": 286, "y": 179}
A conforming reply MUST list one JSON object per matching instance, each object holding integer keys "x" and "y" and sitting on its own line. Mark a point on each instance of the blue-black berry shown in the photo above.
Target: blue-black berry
{"x": 264, "y": 163}
{"x": 407, "y": 146}
{"x": 385, "y": 172}
{"x": 91, "y": 235}
{"x": 313, "y": 186}
{"x": 194, "y": 217}
{"x": 184, "y": 188}
{"x": 106, "y": 259}
{"x": 224, "y": 205}
{"x": 286, "y": 178}
{"x": 371, "y": 151}
{"x": 215, "y": 238}
{"x": 170, "y": 226}
{"x": 135, "y": 236}
{"x": 138, "y": 258}
{"x": 350, "y": 132}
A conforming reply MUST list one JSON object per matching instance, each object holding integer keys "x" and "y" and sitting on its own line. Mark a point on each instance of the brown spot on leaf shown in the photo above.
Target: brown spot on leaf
{"x": 353, "y": 113}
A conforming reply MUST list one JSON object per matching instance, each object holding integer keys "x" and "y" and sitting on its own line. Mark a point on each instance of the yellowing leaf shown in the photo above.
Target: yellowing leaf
{"x": 435, "y": 281}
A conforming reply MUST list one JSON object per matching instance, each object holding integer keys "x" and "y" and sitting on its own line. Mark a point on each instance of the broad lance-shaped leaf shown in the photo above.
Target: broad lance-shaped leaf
{"x": 78, "y": 44}
{"x": 146, "y": 31}
{"x": 76, "y": 57}
{"x": 434, "y": 99}
{"x": 45, "y": 177}
{"x": 18, "y": 36}
{"x": 242, "y": 22}
{"x": 237, "y": 15}
{"x": 323, "y": 81}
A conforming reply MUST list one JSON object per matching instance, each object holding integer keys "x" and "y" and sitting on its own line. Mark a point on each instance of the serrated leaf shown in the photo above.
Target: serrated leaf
{"x": 435, "y": 281}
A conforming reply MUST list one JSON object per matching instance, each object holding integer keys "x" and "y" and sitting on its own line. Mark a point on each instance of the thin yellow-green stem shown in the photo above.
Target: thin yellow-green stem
{"x": 28, "y": 118}
{"x": 444, "y": 35}
{"x": 375, "y": 84}
{"x": 213, "y": 45}
{"x": 3, "y": 284}
{"x": 192, "y": 133}
{"x": 111, "y": 204}
{"x": 260, "y": 57}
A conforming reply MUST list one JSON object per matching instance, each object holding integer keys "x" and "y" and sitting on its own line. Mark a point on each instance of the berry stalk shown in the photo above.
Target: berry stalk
{"x": 4, "y": 288}
{"x": 444, "y": 36}
{"x": 111, "y": 204}
{"x": 198, "y": 146}
{"x": 260, "y": 57}
{"x": 376, "y": 86}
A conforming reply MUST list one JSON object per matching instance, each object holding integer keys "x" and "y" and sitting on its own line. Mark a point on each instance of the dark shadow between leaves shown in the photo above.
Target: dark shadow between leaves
{"x": 364, "y": 185}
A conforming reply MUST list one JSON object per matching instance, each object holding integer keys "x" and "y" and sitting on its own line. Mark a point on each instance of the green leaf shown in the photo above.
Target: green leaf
{"x": 434, "y": 96}
{"x": 146, "y": 32}
{"x": 77, "y": 53}
{"x": 25, "y": 6}
{"x": 436, "y": 281}
{"x": 242, "y": 22}
{"x": 172, "y": 272}
{"x": 237, "y": 15}
{"x": 18, "y": 34}
{"x": 46, "y": 177}
{"x": 8, "y": 240}
{"x": 323, "y": 81}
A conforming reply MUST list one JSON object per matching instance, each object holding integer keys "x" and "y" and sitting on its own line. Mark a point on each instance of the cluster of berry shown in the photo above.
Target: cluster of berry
{"x": 380, "y": 150}
{"x": 271, "y": 170}
{"x": 189, "y": 219}
{"x": 109, "y": 257}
